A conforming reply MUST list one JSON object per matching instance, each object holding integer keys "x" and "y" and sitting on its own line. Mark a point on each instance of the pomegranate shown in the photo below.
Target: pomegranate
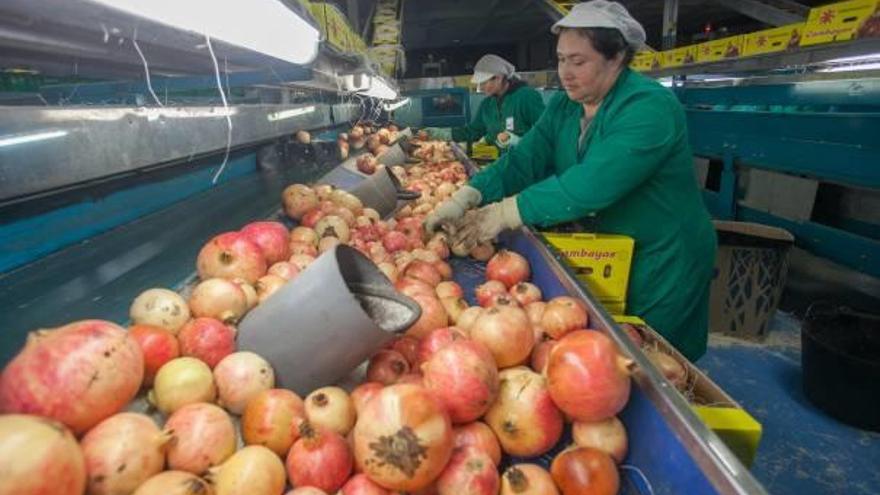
{"x": 122, "y": 452}
{"x": 395, "y": 241}
{"x": 540, "y": 355}
{"x": 39, "y": 457}
{"x": 231, "y": 255}
{"x": 320, "y": 458}
{"x": 302, "y": 261}
{"x": 240, "y": 377}
{"x": 389, "y": 270}
{"x": 588, "y": 379}
{"x": 331, "y": 408}
{"x": 372, "y": 215}
{"x": 424, "y": 271}
{"x": 333, "y": 226}
{"x": 250, "y": 293}
{"x": 218, "y": 298}
{"x": 633, "y": 333}
{"x": 360, "y": 484}
{"x": 607, "y": 435}
{"x": 503, "y": 300}
{"x": 486, "y": 292}
{"x": 306, "y": 490}
{"x": 433, "y": 316}
{"x": 669, "y": 367}
{"x": 562, "y": 315}
{"x": 425, "y": 255}
{"x": 535, "y": 311}
{"x": 403, "y": 438}
{"x": 182, "y": 381}
{"x": 206, "y": 339}
{"x": 435, "y": 340}
{"x": 312, "y": 217}
{"x": 159, "y": 307}
{"x": 585, "y": 471}
{"x": 483, "y": 252}
{"x": 298, "y": 199}
{"x": 524, "y": 418}
{"x": 304, "y": 235}
{"x": 271, "y": 419}
{"x": 508, "y": 267}
{"x": 324, "y": 191}
{"x": 449, "y": 289}
{"x": 253, "y": 470}
{"x": 202, "y": 436}
{"x": 506, "y": 332}
{"x": 78, "y": 374}
{"x": 455, "y": 307}
{"x": 271, "y": 237}
{"x": 386, "y": 367}
{"x": 366, "y": 163}
{"x": 412, "y": 286}
{"x": 268, "y": 285}
{"x": 527, "y": 479}
{"x": 408, "y": 347}
{"x": 175, "y": 483}
{"x": 525, "y": 293}
{"x": 469, "y": 472}
{"x": 463, "y": 376}
{"x": 468, "y": 317}
{"x": 402, "y": 259}
{"x": 412, "y": 379}
{"x": 477, "y": 435}
{"x": 305, "y": 248}
{"x": 303, "y": 137}
{"x": 439, "y": 245}
{"x": 444, "y": 269}
{"x": 363, "y": 393}
{"x": 284, "y": 269}
{"x": 158, "y": 347}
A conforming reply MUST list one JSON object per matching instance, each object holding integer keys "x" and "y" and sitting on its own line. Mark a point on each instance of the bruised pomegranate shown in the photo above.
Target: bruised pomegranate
{"x": 39, "y": 457}
{"x": 585, "y": 471}
{"x": 463, "y": 377}
{"x": 527, "y": 479}
{"x": 506, "y": 332}
{"x": 175, "y": 483}
{"x": 253, "y": 470}
{"x": 508, "y": 267}
{"x": 403, "y": 438}
{"x": 331, "y": 408}
{"x": 202, "y": 436}
{"x": 562, "y": 315}
{"x": 487, "y": 291}
{"x": 240, "y": 377}
{"x": 386, "y": 367}
{"x": 231, "y": 255}
{"x": 524, "y": 418}
{"x": 159, "y": 307}
{"x": 469, "y": 472}
{"x": 272, "y": 419}
{"x": 271, "y": 237}
{"x": 218, "y": 298}
{"x": 477, "y": 435}
{"x": 78, "y": 374}
{"x": 320, "y": 458}
{"x": 122, "y": 452}
{"x": 158, "y": 347}
{"x": 588, "y": 379}
{"x": 206, "y": 339}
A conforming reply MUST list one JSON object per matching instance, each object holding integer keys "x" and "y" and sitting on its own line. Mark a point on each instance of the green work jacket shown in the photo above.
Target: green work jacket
{"x": 516, "y": 111}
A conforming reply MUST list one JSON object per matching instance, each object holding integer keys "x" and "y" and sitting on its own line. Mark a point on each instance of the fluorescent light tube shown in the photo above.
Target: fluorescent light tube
{"x": 265, "y": 26}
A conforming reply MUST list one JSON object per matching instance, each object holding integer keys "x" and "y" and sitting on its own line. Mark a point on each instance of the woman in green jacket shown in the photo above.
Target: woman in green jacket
{"x": 614, "y": 146}
{"x": 510, "y": 106}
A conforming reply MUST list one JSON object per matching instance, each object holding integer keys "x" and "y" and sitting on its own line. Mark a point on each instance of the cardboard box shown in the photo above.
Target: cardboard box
{"x": 718, "y": 411}
{"x": 601, "y": 261}
{"x": 773, "y": 40}
{"x": 680, "y": 56}
{"x": 715, "y": 50}
{"x": 839, "y": 21}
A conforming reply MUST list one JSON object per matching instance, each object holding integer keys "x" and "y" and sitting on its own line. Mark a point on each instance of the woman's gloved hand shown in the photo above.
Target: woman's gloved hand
{"x": 483, "y": 225}
{"x": 507, "y": 140}
{"x": 453, "y": 208}
{"x": 439, "y": 133}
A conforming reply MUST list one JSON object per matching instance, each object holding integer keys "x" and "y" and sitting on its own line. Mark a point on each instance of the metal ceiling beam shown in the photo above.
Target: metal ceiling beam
{"x": 763, "y": 11}
{"x": 670, "y": 23}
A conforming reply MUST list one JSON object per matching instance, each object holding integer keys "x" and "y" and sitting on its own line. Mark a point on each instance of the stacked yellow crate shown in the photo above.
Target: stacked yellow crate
{"x": 386, "y": 49}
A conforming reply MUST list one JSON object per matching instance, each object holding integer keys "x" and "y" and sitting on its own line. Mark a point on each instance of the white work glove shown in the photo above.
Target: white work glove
{"x": 439, "y": 133}
{"x": 510, "y": 141}
{"x": 453, "y": 208}
{"x": 483, "y": 225}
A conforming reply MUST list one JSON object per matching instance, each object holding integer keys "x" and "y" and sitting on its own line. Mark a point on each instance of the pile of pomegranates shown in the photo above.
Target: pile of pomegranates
{"x": 435, "y": 413}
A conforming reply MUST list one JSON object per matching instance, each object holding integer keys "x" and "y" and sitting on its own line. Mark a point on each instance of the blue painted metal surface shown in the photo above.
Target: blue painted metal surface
{"x": 822, "y": 130}
{"x": 127, "y": 91}
{"x": 25, "y": 240}
{"x": 433, "y": 115}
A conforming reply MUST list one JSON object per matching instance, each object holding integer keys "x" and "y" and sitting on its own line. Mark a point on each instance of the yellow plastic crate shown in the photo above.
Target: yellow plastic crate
{"x": 715, "y": 50}
{"x": 601, "y": 261}
{"x": 643, "y": 61}
{"x": 614, "y": 308}
{"x": 680, "y": 56}
{"x": 483, "y": 151}
{"x": 773, "y": 40}
{"x": 837, "y": 22}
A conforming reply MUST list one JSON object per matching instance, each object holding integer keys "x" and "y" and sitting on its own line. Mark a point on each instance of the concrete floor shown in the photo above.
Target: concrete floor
{"x": 802, "y": 451}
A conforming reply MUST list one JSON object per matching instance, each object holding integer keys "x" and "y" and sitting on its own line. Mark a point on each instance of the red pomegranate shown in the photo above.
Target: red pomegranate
{"x": 320, "y": 458}
{"x": 506, "y": 332}
{"x": 39, "y": 457}
{"x": 78, "y": 374}
{"x": 463, "y": 376}
{"x": 158, "y": 347}
{"x": 435, "y": 340}
{"x": 486, "y": 292}
{"x": 469, "y": 472}
{"x": 525, "y": 293}
{"x": 478, "y": 435}
{"x": 433, "y": 316}
{"x": 386, "y": 367}
{"x": 524, "y": 418}
{"x": 271, "y": 237}
{"x": 272, "y": 419}
{"x": 206, "y": 339}
{"x": 562, "y": 315}
{"x": 508, "y": 267}
{"x": 231, "y": 255}
{"x": 585, "y": 471}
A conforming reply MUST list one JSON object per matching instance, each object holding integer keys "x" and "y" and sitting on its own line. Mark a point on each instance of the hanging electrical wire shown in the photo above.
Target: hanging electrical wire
{"x": 225, "y": 108}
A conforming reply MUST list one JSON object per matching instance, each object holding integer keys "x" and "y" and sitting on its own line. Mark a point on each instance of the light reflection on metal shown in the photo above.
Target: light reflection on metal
{"x": 287, "y": 114}
{"x": 13, "y": 139}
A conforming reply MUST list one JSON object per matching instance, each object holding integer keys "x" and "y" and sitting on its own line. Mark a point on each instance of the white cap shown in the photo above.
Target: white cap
{"x": 489, "y": 66}
{"x": 604, "y": 14}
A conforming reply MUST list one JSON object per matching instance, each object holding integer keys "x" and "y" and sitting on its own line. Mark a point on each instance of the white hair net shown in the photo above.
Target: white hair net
{"x": 604, "y": 14}
{"x": 491, "y": 65}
